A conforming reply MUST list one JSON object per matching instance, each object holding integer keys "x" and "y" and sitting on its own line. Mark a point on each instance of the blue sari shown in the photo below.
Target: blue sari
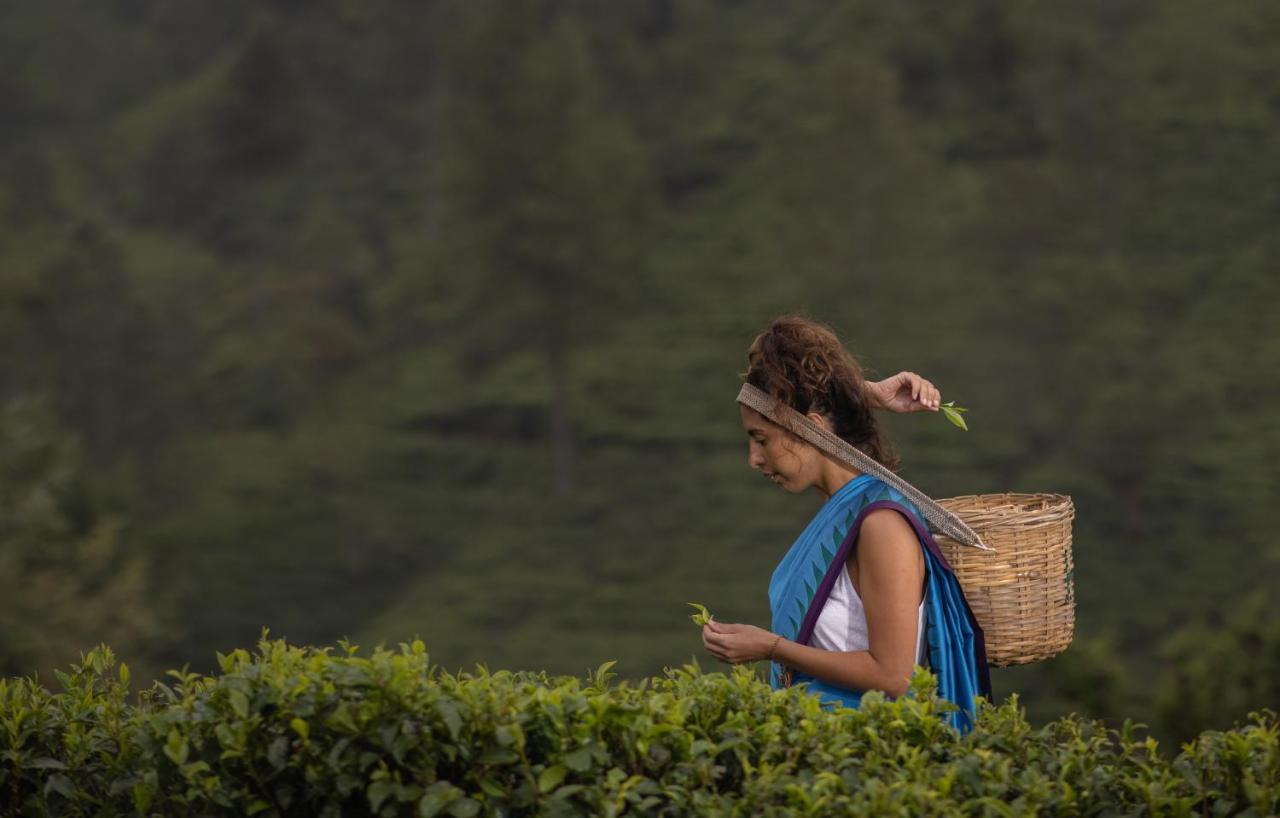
{"x": 803, "y": 581}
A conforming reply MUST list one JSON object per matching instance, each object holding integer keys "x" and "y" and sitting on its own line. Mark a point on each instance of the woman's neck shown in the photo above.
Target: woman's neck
{"x": 833, "y": 478}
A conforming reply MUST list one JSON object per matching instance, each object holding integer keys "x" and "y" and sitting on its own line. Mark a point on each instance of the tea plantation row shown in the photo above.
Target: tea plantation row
{"x": 293, "y": 731}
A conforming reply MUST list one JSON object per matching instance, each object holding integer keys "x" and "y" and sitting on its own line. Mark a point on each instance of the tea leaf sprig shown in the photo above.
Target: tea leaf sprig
{"x": 702, "y": 615}
{"x": 953, "y": 413}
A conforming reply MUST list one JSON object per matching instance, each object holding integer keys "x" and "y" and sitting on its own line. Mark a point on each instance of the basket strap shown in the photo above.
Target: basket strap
{"x": 842, "y": 452}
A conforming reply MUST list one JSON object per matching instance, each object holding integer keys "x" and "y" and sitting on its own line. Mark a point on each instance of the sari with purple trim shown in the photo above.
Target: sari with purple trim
{"x": 803, "y": 580}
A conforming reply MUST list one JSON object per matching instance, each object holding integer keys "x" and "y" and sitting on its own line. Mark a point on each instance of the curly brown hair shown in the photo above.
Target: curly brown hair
{"x": 802, "y": 363}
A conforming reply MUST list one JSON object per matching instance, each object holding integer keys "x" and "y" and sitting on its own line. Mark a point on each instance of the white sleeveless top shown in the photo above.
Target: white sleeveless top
{"x": 842, "y": 624}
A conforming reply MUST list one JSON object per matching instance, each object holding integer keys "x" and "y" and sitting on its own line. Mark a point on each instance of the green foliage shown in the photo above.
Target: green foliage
{"x": 700, "y": 616}
{"x": 1210, "y": 671}
{"x": 954, "y": 414}
{"x": 292, "y": 731}
{"x": 66, "y": 575}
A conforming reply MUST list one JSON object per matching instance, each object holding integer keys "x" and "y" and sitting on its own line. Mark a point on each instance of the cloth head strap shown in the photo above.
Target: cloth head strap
{"x": 842, "y": 452}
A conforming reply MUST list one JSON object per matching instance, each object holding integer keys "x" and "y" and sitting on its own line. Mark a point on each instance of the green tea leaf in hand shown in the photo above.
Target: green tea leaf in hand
{"x": 953, "y": 414}
{"x": 702, "y": 617}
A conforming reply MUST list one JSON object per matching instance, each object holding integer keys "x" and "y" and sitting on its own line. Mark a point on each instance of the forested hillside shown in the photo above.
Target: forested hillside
{"x": 379, "y": 319}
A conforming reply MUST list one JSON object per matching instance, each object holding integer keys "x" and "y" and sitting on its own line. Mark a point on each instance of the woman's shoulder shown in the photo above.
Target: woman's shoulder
{"x": 887, "y": 513}
{"x": 872, "y": 497}
{"x": 875, "y": 491}
{"x": 887, "y": 542}
{"x": 885, "y": 523}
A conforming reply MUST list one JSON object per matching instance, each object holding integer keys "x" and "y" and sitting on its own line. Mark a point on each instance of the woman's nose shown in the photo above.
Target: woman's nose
{"x": 754, "y": 458}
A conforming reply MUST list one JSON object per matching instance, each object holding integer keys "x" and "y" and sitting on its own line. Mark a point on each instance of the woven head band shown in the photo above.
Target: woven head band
{"x": 842, "y": 452}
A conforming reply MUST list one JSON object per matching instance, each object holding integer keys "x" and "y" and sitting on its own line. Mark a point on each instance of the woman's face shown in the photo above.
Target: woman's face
{"x": 790, "y": 463}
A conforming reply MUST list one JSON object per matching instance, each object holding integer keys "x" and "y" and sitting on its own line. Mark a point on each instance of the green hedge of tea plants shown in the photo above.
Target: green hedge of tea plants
{"x": 291, "y": 731}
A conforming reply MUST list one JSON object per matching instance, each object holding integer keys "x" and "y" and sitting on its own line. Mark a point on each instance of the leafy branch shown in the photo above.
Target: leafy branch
{"x": 702, "y": 615}
{"x": 954, "y": 414}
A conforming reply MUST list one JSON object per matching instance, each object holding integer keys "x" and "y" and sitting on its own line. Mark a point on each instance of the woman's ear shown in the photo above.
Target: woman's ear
{"x": 820, "y": 420}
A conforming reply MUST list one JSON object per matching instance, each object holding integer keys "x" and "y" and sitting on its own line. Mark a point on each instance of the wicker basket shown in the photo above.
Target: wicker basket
{"x": 1021, "y": 591}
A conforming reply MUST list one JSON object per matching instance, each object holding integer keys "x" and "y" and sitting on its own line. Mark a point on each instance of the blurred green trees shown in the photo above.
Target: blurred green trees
{"x": 544, "y": 189}
{"x": 66, "y": 575}
{"x": 1212, "y": 673}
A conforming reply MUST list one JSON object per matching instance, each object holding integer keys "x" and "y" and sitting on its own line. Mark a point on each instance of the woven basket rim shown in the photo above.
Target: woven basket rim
{"x": 1047, "y": 496}
{"x": 1024, "y": 512}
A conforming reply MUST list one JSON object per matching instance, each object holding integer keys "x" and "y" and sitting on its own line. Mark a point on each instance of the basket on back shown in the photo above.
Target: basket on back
{"x": 1021, "y": 590}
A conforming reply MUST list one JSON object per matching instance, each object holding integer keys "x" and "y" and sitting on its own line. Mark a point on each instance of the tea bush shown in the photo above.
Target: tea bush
{"x": 292, "y": 731}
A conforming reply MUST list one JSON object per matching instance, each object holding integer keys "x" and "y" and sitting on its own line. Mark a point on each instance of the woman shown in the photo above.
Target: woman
{"x": 864, "y": 595}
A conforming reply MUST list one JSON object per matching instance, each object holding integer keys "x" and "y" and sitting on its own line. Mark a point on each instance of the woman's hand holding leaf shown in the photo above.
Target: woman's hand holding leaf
{"x": 735, "y": 644}
{"x": 904, "y": 392}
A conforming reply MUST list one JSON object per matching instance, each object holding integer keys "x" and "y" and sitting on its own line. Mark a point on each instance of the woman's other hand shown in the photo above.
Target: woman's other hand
{"x": 905, "y": 392}
{"x": 736, "y": 644}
